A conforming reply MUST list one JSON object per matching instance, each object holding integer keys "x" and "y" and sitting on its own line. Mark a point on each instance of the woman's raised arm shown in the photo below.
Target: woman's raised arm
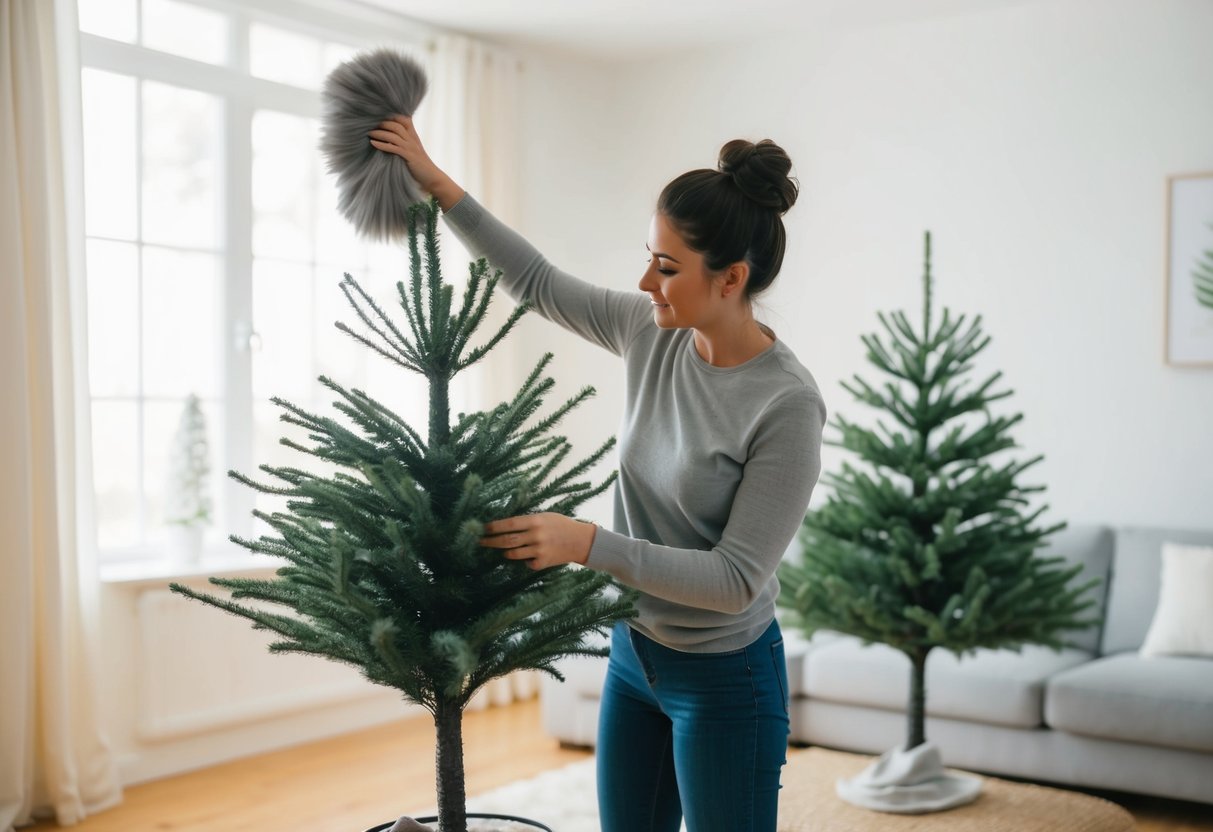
{"x": 398, "y": 135}
{"x": 609, "y": 318}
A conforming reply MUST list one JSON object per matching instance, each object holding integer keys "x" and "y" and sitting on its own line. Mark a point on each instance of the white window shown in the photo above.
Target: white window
{"x": 214, "y": 250}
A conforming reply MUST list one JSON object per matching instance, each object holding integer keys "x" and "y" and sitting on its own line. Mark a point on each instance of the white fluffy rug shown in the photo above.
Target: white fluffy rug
{"x": 565, "y": 799}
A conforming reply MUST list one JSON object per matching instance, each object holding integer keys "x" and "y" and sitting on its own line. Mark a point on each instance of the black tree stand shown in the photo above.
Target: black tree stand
{"x": 470, "y": 815}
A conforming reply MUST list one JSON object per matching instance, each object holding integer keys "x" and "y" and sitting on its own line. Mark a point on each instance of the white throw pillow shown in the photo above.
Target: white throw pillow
{"x": 1183, "y": 621}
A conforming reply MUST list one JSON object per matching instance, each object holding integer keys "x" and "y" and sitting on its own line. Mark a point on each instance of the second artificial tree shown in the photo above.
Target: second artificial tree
{"x": 927, "y": 546}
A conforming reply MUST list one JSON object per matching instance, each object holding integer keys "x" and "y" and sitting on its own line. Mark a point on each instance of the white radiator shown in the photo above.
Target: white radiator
{"x": 202, "y": 669}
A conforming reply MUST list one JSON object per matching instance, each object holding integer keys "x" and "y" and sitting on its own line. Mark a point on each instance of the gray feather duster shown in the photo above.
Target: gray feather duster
{"x": 375, "y": 188}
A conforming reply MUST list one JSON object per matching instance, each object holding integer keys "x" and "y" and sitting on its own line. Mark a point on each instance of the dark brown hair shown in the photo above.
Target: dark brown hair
{"x": 735, "y": 213}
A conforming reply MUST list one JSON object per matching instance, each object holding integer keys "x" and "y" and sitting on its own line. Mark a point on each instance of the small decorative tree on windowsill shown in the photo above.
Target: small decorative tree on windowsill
{"x": 187, "y": 510}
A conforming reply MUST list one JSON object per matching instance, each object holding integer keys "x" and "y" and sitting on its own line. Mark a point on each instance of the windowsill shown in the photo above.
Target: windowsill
{"x": 159, "y": 572}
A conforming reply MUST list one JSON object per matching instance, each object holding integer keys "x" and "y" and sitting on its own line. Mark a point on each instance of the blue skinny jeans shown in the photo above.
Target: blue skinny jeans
{"x": 703, "y": 735}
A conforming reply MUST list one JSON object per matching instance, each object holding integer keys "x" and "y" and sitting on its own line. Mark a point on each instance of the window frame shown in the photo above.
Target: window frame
{"x": 241, "y": 95}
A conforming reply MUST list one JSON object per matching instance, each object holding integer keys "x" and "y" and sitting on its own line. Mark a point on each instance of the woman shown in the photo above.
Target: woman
{"x": 719, "y": 451}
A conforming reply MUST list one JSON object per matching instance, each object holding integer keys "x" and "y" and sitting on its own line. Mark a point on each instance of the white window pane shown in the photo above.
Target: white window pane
{"x": 336, "y": 241}
{"x": 267, "y": 436}
{"x": 282, "y": 317}
{"x": 284, "y": 153}
{"x": 330, "y": 301}
{"x": 339, "y": 356}
{"x": 287, "y": 57}
{"x": 182, "y": 134}
{"x": 160, "y": 420}
{"x": 116, "y": 472}
{"x": 402, "y": 391}
{"x": 392, "y": 260}
{"x": 109, "y": 19}
{"x": 334, "y": 54}
{"x": 113, "y": 318}
{"x": 110, "y": 154}
{"x": 268, "y": 429}
{"x": 268, "y": 450}
{"x": 182, "y": 331}
{"x": 186, "y": 30}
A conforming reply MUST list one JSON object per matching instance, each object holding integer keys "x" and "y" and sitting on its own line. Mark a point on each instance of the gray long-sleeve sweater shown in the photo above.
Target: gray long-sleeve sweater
{"x": 716, "y": 464}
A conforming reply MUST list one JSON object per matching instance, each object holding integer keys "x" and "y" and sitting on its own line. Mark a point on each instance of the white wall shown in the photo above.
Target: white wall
{"x": 1033, "y": 141}
{"x": 581, "y": 207}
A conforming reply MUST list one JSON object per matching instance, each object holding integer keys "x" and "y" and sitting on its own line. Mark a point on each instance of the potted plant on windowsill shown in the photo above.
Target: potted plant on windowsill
{"x": 384, "y": 569}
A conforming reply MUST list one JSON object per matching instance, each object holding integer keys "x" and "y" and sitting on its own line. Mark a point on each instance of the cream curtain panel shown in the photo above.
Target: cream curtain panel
{"x": 469, "y": 123}
{"x": 54, "y": 759}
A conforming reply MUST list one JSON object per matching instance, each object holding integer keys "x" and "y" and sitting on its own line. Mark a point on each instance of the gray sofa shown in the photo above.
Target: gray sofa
{"x": 1099, "y": 716}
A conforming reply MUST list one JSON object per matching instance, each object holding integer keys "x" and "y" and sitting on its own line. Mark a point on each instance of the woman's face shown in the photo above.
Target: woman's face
{"x": 675, "y": 278}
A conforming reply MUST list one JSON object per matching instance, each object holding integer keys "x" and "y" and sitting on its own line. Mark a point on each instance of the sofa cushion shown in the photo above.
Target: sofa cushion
{"x": 1183, "y": 621}
{"x": 1161, "y": 700}
{"x": 1136, "y": 571}
{"x": 1090, "y": 546}
{"x": 994, "y": 686}
{"x": 796, "y": 649}
{"x": 585, "y": 675}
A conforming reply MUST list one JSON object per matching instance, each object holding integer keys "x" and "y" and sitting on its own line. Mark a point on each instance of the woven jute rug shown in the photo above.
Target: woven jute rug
{"x": 808, "y": 803}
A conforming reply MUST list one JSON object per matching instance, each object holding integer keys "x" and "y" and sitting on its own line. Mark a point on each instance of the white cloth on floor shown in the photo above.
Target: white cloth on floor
{"x": 909, "y": 782}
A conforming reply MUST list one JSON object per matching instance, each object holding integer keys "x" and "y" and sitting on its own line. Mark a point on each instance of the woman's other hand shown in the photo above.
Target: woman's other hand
{"x": 397, "y": 135}
{"x": 542, "y": 540}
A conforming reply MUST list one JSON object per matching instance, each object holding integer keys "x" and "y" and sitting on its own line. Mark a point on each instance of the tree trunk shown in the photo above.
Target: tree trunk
{"x": 916, "y": 713}
{"x": 440, "y": 412}
{"x": 452, "y": 798}
{"x": 444, "y": 491}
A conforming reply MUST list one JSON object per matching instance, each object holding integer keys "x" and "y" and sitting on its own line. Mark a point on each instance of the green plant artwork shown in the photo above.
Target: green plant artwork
{"x": 1202, "y": 277}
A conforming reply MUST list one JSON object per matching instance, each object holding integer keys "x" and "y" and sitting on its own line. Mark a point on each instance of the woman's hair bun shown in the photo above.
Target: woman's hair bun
{"x": 760, "y": 171}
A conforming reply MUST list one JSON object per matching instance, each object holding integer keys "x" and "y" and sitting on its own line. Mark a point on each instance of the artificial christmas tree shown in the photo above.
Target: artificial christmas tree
{"x": 930, "y": 549}
{"x": 385, "y": 571}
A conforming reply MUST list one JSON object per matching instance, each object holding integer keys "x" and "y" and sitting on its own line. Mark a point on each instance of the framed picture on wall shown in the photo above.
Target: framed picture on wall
{"x": 1189, "y": 301}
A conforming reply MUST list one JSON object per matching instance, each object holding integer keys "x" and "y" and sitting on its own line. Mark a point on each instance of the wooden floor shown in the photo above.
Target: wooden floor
{"x": 357, "y": 781}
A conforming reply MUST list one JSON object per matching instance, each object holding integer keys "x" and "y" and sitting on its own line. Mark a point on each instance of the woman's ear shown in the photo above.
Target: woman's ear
{"x": 735, "y": 277}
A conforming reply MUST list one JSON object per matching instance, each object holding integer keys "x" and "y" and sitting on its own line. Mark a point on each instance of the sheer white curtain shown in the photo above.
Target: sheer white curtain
{"x": 54, "y": 759}
{"x": 470, "y": 124}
